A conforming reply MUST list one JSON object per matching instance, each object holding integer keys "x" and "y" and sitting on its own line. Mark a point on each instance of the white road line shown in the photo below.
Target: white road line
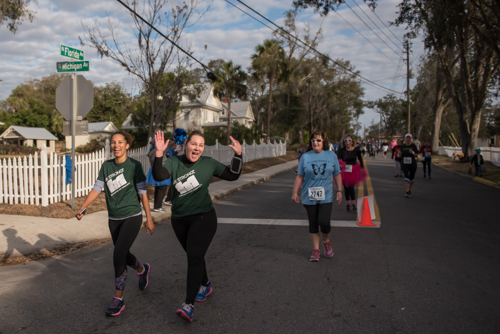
{"x": 290, "y": 222}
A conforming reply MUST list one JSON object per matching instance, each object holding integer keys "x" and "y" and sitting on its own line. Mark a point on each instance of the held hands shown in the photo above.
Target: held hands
{"x": 150, "y": 226}
{"x": 235, "y": 145}
{"x": 161, "y": 145}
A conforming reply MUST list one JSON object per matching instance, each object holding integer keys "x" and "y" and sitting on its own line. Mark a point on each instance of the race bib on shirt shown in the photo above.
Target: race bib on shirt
{"x": 316, "y": 193}
{"x": 427, "y": 154}
{"x": 407, "y": 160}
{"x": 348, "y": 168}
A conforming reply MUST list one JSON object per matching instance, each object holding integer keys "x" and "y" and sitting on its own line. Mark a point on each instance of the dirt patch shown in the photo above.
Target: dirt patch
{"x": 63, "y": 209}
{"x": 492, "y": 171}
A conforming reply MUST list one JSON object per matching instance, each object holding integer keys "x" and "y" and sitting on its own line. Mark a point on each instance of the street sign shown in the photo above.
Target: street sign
{"x": 73, "y": 66}
{"x": 81, "y": 128}
{"x": 84, "y": 97}
{"x": 70, "y": 52}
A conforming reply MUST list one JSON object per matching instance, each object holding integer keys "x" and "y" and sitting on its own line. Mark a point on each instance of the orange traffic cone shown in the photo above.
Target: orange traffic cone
{"x": 366, "y": 217}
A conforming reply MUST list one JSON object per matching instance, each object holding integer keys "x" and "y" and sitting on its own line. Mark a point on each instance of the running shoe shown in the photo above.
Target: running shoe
{"x": 144, "y": 277}
{"x": 407, "y": 194}
{"x": 160, "y": 210}
{"x": 315, "y": 256}
{"x": 328, "y": 249}
{"x": 116, "y": 308}
{"x": 425, "y": 176}
{"x": 348, "y": 208}
{"x": 169, "y": 203}
{"x": 204, "y": 292}
{"x": 186, "y": 312}
{"x": 354, "y": 208}
{"x": 396, "y": 175}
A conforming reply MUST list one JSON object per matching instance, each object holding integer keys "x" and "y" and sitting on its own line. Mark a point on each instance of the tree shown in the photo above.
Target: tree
{"x": 267, "y": 64}
{"x": 230, "y": 84}
{"x": 111, "y": 103}
{"x": 13, "y": 12}
{"x": 447, "y": 24}
{"x": 392, "y": 112}
{"x": 155, "y": 54}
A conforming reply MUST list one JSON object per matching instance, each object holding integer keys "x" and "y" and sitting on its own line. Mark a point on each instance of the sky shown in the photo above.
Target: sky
{"x": 222, "y": 31}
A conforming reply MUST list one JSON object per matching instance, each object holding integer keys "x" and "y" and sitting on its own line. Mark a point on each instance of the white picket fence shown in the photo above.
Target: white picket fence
{"x": 491, "y": 154}
{"x": 41, "y": 179}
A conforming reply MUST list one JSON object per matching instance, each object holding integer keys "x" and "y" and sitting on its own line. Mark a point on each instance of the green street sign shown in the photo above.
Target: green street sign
{"x": 73, "y": 66}
{"x": 67, "y": 51}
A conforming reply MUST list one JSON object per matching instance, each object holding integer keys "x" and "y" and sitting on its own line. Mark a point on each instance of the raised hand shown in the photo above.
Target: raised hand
{"x": 160, "y": 143}
{"x": 236, "y": 146}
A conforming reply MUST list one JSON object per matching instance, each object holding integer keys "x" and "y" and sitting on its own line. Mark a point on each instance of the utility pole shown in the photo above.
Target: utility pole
{"x": 408, "y": 83}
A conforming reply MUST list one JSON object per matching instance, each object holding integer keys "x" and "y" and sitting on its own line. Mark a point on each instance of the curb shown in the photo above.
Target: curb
{"x": 470, "y": 177}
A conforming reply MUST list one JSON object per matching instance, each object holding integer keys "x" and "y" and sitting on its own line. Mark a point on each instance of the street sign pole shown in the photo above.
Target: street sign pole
{"x": 73, "y": 130}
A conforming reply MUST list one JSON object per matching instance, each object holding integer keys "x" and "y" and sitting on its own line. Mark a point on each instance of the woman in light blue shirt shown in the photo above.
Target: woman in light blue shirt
{"x": 317, "y": 169}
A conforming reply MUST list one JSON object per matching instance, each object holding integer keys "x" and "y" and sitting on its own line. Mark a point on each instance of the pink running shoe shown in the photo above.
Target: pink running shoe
{"x": 315, "y": 256}
{"x": 328, "y": 249}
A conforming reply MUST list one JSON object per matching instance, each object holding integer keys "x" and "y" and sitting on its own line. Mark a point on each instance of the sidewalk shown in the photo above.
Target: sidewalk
{"x": 26, "y": 235}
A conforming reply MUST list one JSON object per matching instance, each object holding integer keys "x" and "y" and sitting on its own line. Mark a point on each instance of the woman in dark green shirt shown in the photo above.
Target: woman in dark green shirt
{"x": 125, "y": 183}
{"x": 193, "y": 215}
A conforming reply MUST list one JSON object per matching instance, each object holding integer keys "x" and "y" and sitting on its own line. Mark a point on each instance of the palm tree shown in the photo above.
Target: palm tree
{"x": 230, "y": 84}
{"x": 267, "y": 62}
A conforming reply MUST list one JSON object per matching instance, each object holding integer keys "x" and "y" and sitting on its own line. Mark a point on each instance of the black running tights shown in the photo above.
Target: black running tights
{"x": 350, "y": 193}
{"x": 195, "y": 233}
{"x": 319, "y": 215}
{"x": 160, "y": 192}
{"x": 428, "y": 163}
{"x": 123, "y": 233}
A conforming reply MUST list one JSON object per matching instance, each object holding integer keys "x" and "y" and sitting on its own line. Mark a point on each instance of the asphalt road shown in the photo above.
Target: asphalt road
{"x": 432, "y": 267}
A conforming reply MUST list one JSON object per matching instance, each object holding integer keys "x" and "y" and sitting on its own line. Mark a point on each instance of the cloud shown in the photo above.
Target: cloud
{"x": 227, "y": 32}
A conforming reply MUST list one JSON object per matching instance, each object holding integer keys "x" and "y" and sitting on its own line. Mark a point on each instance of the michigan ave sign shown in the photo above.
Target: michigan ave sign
{"x": 73, "y": 66}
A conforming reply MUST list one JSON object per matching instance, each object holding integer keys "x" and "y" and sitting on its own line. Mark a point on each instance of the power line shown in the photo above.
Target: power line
{"x": 373, "y": 11}
{"x": 371, "y": 29}
{"x": 375, "y": 23}
{"x": 323, "y": 55}
{"x": 364, "y": 37}
{"x": 161, "y": 34}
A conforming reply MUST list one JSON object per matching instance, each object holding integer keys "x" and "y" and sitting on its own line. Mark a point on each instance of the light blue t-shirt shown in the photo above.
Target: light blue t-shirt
{"x": 318, "y": 169}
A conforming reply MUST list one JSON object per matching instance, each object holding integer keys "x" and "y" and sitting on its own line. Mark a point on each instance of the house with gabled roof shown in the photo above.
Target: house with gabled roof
{"x": 97, "y": 130}
{"x": 28, "y": 136}
{"x": 241, "y": 112}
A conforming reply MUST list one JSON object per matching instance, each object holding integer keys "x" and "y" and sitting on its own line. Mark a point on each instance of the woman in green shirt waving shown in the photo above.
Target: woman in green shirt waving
{"x": 193, "y": 215}
{"x": 125, "y": 183}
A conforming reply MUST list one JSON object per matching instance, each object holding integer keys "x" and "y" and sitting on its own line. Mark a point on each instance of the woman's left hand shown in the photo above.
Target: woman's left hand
{"x": 150, "y": 226}
{"x": 236, "y": 146}
{"x": 339, "y": 198}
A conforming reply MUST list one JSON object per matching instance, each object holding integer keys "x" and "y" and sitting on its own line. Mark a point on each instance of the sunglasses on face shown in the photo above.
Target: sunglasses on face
{"x": 316, "y": 140}
{"x": 347, "y": 139}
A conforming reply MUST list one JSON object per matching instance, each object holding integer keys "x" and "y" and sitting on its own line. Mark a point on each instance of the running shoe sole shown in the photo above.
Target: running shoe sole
{"x": 208, "y": 294}
{"x": 181, "y": 314}
{"x": 116, "y": 314}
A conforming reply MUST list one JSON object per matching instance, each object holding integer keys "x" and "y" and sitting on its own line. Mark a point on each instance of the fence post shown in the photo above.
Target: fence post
{"x": 217, "y": 149}
{"x": 106, "y": 150}
{"x": 45, "y": 183}
{"x": 244, "y": 151}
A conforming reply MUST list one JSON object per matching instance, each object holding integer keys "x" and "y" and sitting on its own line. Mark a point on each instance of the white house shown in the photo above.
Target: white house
{"x": 22, "y": 135}
{"x": 241, "y": 112}
{"x": 98, "y": 130}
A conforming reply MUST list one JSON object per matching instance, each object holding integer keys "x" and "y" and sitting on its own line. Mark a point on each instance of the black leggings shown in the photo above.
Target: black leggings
{"x": 195, "y": 233}
{"x": 319, "y": 216}
{"x": 409, "y": 172}
{"x": 350, "y": 193}
{"x": 123, "y": 233}
{"x": 160, "y": 192}
{"x": 428, "y": 163}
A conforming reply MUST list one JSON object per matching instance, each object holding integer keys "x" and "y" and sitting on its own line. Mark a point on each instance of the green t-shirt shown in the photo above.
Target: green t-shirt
{"x": 190, "y": 185}
{"x": 120, "y": 182}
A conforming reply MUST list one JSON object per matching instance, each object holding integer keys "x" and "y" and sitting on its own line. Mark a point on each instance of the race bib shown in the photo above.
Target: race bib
{"x": 407, "y": 160}
{"x": 348, "y": 168}
{"x": 316, "y": 193}
{"x": 427, "y": 154}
